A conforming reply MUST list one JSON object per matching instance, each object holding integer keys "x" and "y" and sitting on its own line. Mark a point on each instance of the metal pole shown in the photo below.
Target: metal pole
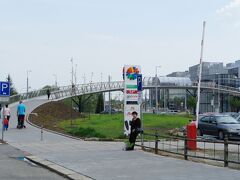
{"x": 55, "y": 79}
{"x": 72, "y": 94}
{"x": 185, "y": 100}
{"x": 200, "y": 74}
{"x": 219, "y": 93}
{"x": 156, "y": 89}
{"x": 27, "y": 85}
{"x": 109, "y": 96}
{"x": 2, "y": 118}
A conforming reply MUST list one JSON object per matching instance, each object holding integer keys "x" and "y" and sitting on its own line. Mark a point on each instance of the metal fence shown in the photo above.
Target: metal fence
{"x": 30, "y": 95}
{"x": 225, "y": 151}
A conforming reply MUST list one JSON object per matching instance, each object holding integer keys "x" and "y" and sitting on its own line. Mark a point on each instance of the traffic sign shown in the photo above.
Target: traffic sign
{"x": 139, "y": 82}
{"x": 4, "y": 89}
{"x": 4, "y": 92}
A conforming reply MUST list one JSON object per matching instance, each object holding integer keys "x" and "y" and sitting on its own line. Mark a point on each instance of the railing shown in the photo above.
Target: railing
{"x": 208, "y": 149}
{"x": 80, "y": 89}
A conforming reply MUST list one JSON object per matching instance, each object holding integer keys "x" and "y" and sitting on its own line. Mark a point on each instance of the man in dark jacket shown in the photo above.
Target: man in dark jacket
{"x": 135, "y": 130}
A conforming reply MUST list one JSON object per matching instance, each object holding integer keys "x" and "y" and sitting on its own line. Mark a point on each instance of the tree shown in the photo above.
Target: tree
{"x": 100, "y": 104}
{"x": 13, "y": 90}
{"x": 234, "y": 103}
{"x": 192, "y": 102}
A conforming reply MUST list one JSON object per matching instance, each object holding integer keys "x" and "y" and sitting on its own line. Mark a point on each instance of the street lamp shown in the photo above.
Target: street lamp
{"x": 156, "y": 84}
{"x": 28, "y": 71}
{"x": 55, "y": 76}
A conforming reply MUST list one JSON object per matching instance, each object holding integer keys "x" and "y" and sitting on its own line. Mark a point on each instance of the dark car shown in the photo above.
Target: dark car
{"x": 219, "y": 125}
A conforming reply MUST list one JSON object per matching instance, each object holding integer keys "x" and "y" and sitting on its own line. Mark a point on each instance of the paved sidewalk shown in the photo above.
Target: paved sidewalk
{"x": 106, "y": 160}
{"x": 14, "y": 167}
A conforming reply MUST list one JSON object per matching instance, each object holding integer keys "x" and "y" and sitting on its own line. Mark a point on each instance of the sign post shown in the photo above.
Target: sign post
{"x": 132, "y": 94}
{"x": 4, "y": 99}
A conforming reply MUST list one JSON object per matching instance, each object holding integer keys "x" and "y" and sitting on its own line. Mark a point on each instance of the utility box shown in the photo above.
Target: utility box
{"x": 192, "y": 136}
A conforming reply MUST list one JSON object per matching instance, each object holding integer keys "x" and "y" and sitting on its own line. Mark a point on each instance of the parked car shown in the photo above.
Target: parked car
{"x": 219, "y": 125}
{"x": 233, "y": 114}
{"x": 238, "y": 118}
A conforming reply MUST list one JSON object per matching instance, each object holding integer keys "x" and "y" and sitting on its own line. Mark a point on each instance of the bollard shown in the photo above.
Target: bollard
{"x": 156, "y": 143}
{"x": 226, "y": 151}
{"x": 185, "y": 149}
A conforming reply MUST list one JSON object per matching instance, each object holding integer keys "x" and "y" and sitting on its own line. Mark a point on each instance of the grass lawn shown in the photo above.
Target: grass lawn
{"x": 111, "y": 126}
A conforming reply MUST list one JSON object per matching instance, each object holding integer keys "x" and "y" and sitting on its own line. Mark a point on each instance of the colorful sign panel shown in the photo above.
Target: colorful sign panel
{"x": 132, "y": 94}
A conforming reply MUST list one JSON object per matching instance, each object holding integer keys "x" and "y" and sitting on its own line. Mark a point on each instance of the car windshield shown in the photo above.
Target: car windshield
{"x": 226, "y": 120}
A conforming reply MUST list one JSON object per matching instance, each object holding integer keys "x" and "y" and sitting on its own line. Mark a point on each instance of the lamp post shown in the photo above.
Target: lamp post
{"x": 28, "y": 71}
{"x": 55, "y": 76}
{"x": 84, "y": 78}
{"x": 156, "y": 84}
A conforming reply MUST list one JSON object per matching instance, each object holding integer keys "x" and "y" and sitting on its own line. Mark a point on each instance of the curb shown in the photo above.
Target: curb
{"x": 62, "y": 171}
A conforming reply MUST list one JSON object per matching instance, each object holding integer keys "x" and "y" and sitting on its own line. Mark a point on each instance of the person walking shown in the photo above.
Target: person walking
{"x": 6, "y": 115}
{"x": 21, "y": 111}
{"x": 48, "y": 93}
{"x": 135, "y": 130}
{"x": 7, "y": 112}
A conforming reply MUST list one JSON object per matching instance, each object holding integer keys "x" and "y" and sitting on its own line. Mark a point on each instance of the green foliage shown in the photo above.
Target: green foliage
{"x": 13, "y": 91}
{"x": 111, "y": 126}
{"x": 234, "y": 104}
{"x": 47, "y": 87}
{"x": 87, "y": 103}
{"x": 100, "y": 104}
{"x": 85, "y": 132}
{"x": 191, "y": 103}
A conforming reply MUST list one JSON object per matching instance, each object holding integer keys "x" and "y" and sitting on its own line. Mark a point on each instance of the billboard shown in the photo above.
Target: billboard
{"x": 132, "y": 94}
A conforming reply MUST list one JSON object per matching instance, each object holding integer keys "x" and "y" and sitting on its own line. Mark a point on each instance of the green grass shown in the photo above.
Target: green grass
{"x": 111, "y": 126}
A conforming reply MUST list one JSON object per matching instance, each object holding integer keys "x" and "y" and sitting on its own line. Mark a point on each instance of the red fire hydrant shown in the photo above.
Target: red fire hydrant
{"x": 192, "y": 136}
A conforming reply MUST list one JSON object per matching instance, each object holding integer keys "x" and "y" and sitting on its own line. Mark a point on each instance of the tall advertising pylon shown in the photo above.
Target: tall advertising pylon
{"x": 132, "y": 94}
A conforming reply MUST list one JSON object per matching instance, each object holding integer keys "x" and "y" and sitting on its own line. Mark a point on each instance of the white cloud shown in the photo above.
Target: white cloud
{"x": 229, "y": 9}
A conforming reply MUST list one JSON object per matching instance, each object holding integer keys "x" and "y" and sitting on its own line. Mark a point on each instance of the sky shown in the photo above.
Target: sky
{"x": 101, "y": 36}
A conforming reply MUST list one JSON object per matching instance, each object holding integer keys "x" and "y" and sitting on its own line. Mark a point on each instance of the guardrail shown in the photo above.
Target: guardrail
{"x": 208, "y": 149}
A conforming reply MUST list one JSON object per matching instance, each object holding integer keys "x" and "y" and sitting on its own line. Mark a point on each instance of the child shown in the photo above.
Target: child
{"x": 5, "y": 123}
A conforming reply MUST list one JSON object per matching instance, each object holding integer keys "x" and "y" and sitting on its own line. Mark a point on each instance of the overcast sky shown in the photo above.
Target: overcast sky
{"x": 103, "y": 35}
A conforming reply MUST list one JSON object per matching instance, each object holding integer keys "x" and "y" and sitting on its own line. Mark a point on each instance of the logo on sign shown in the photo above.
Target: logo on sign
{"x": 132, "y": 73}
{"x": 132, "y": 92}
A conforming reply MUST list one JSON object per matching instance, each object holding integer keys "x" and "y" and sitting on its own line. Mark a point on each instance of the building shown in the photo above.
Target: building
{"x": 214, "y": 73}
{"x": 208, "y": 68}
{"x": 179, "y": 74}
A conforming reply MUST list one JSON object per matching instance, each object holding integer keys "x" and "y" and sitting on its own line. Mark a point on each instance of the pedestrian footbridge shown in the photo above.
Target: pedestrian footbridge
{"x": 63, "y": 92}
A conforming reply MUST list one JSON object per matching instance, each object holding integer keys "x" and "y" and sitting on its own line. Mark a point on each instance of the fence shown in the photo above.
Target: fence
{"x": 208, "y": 149}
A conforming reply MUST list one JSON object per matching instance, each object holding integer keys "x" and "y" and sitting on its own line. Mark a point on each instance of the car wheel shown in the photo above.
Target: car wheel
{"x": 199, "y": 132}
{"x": 220, "y": 135}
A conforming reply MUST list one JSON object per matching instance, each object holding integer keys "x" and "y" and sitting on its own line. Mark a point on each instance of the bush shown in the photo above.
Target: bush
{"x": 85, "y": 132}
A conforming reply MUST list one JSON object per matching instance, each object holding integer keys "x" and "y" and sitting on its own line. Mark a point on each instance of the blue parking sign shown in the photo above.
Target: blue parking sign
{"x": 139, "y": 82}
{"x": 4, "y": 89}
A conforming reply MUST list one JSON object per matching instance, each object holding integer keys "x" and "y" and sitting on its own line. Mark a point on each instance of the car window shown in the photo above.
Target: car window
{"x": 205, "y": 119}
{"x": 226, "y": 120}
{"x": 212, "y": 120}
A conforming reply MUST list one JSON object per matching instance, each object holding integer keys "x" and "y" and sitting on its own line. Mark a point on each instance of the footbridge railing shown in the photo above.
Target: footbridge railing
{"x": 91, "y": 88}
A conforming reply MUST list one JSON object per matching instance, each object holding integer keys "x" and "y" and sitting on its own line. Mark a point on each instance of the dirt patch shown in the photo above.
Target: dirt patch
{"x": 49, "y": 115}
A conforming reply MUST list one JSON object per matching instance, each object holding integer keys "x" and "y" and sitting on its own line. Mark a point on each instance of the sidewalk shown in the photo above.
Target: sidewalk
{"x": 106, "y": 160}
{"x": 14, "y": 167}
